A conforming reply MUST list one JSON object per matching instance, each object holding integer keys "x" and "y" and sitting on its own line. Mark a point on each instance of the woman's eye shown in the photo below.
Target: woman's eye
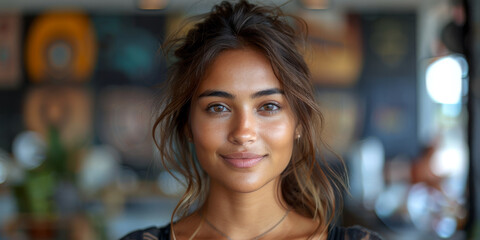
{"x": 269, "y": 107}
{"x": 217, "y": 108}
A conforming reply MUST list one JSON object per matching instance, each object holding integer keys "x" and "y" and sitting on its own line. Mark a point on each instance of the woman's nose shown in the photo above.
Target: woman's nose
{"x": 243, "y": 129}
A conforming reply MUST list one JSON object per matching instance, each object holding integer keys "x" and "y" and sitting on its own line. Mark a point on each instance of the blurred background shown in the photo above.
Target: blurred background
{"x": 398, "y": 82}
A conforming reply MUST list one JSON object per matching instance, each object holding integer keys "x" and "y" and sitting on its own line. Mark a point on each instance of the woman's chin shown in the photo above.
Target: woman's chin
{"x": 249, "y": 184}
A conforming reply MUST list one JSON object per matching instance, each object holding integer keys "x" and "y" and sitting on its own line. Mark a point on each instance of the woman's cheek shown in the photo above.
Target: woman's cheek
{"x": 279, "y": 132}
{"x": 208, "y": 133}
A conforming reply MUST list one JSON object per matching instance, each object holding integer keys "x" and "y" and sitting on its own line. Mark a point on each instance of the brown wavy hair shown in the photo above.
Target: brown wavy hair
{"x": 308, "y": 185}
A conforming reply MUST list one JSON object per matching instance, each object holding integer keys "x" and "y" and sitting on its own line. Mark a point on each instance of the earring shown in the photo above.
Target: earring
{"x": 298, "y": 136}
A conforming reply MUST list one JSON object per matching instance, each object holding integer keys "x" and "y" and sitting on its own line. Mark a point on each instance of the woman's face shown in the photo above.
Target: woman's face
{"x": 241, "y": 124}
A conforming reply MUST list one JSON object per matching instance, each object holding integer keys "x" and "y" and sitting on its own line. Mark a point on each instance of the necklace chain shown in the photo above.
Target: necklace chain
{"x": 255, "y": 238}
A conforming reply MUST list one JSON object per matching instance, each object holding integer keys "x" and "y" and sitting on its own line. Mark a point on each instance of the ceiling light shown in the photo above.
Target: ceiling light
{"x": 315, "y": 4}
{"x": 152, "y": 4}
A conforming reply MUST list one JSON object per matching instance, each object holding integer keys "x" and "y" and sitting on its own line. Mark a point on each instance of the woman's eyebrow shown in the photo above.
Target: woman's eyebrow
{"x": 267, "y": 92}
{"x": 216, "y": 93}
{"x": 223, "y": 94}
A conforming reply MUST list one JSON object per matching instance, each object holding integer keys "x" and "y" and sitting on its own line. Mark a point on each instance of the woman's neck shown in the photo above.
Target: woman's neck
{"x": 234, "y": 212}
{"x": 235, "y": 215}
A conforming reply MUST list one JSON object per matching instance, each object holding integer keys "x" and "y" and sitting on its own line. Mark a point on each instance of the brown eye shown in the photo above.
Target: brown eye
{"x": 217, "y": 108}
{"x": 269, "y": 107}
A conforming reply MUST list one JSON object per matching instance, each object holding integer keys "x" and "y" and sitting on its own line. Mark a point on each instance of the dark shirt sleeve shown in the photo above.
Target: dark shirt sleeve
{"x": 360, "y": 233}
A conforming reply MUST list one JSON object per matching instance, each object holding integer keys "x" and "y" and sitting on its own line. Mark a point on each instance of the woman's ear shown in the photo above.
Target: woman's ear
{"x": 298, "y": 131}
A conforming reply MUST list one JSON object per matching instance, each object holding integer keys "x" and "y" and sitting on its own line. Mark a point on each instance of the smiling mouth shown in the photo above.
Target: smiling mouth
{"x": 243, "y": 160}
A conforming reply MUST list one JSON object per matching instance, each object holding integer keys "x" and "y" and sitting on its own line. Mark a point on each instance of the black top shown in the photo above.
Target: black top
{"x": 336, "y": 233}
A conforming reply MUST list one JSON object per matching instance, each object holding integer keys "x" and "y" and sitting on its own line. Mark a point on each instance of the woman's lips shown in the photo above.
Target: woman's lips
{"x": 243, "y": 159}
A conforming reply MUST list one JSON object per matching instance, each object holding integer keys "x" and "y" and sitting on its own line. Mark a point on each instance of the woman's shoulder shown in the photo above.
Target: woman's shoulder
{"x": 151, "y": 233}
{"x": 353, "y": 233}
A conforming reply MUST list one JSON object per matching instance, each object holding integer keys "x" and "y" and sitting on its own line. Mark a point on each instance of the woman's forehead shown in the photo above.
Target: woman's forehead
{"x": 240, "y": 69}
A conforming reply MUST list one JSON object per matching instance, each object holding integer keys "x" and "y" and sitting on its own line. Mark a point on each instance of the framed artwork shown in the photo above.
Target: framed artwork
{"x": 10, "y": 50}
{"x": 334, "y": 53}
{"x": 343, "y": 113}
{"x": 60, "y": 47}
{"x": 125, "y": 123}
{"x": 66, "y": 108}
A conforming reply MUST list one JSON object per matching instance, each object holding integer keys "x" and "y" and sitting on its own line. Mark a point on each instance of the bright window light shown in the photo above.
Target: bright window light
{"x": 448, "y": 161}
{"x": 444, "y": 80}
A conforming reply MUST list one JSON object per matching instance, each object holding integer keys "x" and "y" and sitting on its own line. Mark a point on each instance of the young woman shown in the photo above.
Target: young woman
{"x": 238, "y": 119}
